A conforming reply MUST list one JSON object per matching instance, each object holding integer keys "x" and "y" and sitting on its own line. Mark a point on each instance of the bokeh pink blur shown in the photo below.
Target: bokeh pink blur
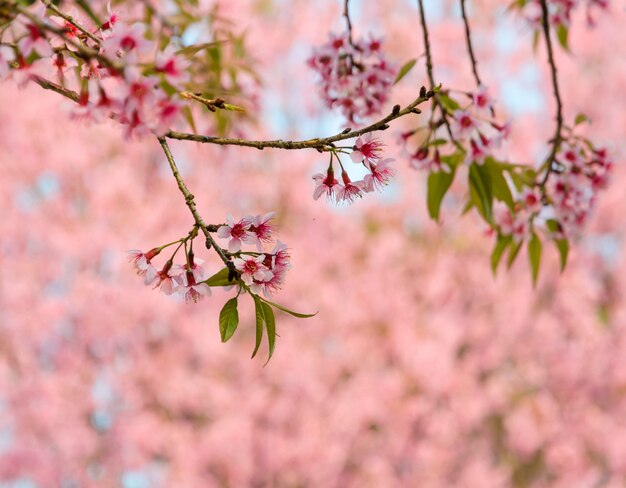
{"x": 421, "y": 368}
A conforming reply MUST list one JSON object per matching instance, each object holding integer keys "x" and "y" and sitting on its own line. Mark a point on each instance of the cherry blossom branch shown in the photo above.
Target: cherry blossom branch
{"x": 70, "y": 20}
{"x": 346, "y": 14}
{"x": 429, "y": 70}
{"x": 321, "y": 144}
{"x": 468, "y": 42}
{"x": 429, "y": 57}
{"x": 189, "y": 200}
{"x": 555, "y": 87}
{"x": 81, "y": 49}
{"x": 50, "y": 85}
{"x": 211, "y": 103}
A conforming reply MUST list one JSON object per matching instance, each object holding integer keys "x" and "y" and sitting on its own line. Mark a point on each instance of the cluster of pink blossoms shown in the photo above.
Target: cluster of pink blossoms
{"x": 518, "y": 223}
{"x": 580, "y": 173}
{"x": 472, "y": 127}
{"x": 259, "y": 271}
{"x": 354, "y": 76}
{"x": 568, "y": 196}
{"x": 186, "y": 280}
{"x": 117, "y": 72}
{"x": 560, "y": 11}
{"x": 367, "y": 152}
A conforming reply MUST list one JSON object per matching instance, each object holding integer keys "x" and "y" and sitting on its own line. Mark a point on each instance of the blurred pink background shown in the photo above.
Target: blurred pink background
{"x": 421, "y": 369}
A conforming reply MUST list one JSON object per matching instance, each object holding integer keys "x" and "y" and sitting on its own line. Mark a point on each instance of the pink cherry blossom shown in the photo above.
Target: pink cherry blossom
{"x": 253, "y": 270}
{"x": 261, "y": 227}
{"x": 482, "y": 99}
{"x": 476, "y": 154}
{"x": 366, "y": 149}
{"x": 463, "y": 124}
{"x": 191, "y": 290}
{"x": 111, "y": 20}
{"x": 532, "y": 200}
{"x": 353, "y": 76}
{"x": 238, "y": 233}
{"x": 174, "y": 68}
{"x": 169, "y": 278}
{"x": 351, "y": 190}
{"x": 143, "y": 266}
{"x": 128, "y": 42}
{"x": 34, "y": 41}
{"x": 62, "y": 64}
{"x": 509, "y": 223}
{"x": 326, "y": 184}
{"x": 380, "y": 175}
{"x": 422, "y": 161}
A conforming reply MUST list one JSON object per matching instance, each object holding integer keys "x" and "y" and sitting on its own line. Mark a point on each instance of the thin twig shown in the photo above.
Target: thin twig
{"x": 321, "y": 144}
{"x": 346, "y": 14}
{"x": 189, "y": 200}
{"x": 468, "y": 41}
{"x": 70, "y": 20}
{"x": 50, "y": 85}
{"x": 81, "y": 49}
{"x": 429, "y": 70}
{"x": 556, "y": 141}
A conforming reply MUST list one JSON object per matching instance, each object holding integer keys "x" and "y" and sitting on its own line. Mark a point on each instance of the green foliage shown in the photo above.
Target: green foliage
{"x": 513, "y": 252}
{"x": 406, "y": 68}
{"x": 580, "y": 119}
{"x": 447, "y": 102}
{"x": 534, "y": 256}
{"x": 229, "y": 319}
{"x": 220, "y": 279}
{"x": 259, "y": 314}
{"x": 438, "y": 185}
{"x": 481, "y": 191}
{"x": 562, "y": 34}
{"x": 562, "y": 245}
{"x": 502, "y": 243}
{"x": 501, "y": 190}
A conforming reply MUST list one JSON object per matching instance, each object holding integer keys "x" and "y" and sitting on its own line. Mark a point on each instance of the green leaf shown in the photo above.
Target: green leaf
{"x": 562, "y": 246}
{"x": 534, "y": 255}
{"x": 522, "y": 177}
{"x": 581, "y": 118}
{"x": 190, "y": 51}
{"x": 229, "y": 319}
{"x": 562, "y": 34}
{"x": 438, "y": 142}
{"x": 290, "y": 312}
{"x": 501, "y": 190}
{"x": 448, "y": 103}
{"x": 233, "y": 108}
{"x": 513, "y": 252}
{"x": 270, "y": 324}
{"x": 260, "y": 319}
{"x": 501, "y": 244}
{"x": 481, "y": 190}
{"x": 408, "y": 66}
{"x": 220, "y": 279}
{"x": 438, "y": 185}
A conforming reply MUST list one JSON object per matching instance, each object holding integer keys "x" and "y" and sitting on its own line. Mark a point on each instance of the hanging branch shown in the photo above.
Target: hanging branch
{"x": 321, "y": 144}
{"x": 429, "y": 70}
{"x": 190, "y": 201}
{"x": 468, "y": 42}
{"x": 556, "y": 140}
{"x": 346, "y": 14}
